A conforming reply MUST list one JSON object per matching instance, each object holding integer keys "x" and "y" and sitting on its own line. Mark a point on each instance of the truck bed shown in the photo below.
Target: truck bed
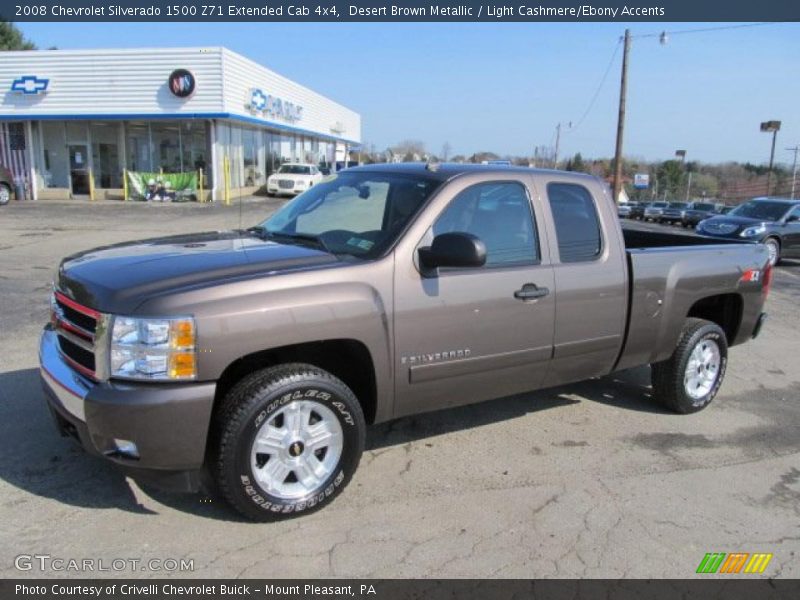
{"x": 671, "y": 275}
{"x": 638, "y": 239}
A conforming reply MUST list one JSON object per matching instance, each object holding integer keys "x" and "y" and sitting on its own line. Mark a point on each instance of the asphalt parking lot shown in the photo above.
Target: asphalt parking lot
{"x": 589, "y": 480}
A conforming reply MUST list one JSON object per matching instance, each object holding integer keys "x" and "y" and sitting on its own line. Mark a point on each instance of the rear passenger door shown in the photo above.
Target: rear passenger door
{"x": 590, "y": 279}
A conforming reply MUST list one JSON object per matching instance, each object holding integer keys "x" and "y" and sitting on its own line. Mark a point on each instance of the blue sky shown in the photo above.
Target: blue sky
{"x": 504, "y": 86}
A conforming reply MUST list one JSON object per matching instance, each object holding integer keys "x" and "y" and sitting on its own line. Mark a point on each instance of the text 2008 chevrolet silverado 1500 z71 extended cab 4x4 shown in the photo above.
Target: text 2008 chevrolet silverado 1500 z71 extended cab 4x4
{"x": 259, "y": 356}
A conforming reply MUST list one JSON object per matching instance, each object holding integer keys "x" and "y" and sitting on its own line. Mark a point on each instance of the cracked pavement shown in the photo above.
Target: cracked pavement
{"x": 589, "y": 480}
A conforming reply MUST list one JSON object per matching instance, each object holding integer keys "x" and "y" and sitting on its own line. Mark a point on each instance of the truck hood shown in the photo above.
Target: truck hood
{"x": 118, "y": 278}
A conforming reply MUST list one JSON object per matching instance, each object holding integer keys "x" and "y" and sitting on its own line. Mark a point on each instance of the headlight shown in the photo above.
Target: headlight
{"x": 153, "y": 349}
{"x": 753, "y": 231}
{"x": 299, "y": 183}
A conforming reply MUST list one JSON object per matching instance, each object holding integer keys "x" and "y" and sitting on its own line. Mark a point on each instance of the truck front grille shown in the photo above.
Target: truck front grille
{"x": 76, "y": 326}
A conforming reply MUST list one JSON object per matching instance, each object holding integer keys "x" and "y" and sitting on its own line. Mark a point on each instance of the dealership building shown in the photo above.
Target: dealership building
{"x": 72, "y": 121}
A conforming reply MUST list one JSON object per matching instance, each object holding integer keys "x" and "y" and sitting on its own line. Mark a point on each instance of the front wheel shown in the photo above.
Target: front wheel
{"x": 287, "y": 441}
{"x": 774, "y": 250}
{"x": 5, "y": 194}
{"x": 688, "y": 380}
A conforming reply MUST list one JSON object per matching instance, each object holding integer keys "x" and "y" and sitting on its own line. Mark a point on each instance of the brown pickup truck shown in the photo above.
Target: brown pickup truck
{"x": 255, "y": 359}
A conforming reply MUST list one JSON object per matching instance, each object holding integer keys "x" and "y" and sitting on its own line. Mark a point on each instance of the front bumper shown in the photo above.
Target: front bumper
{"x": 168, "y": 423}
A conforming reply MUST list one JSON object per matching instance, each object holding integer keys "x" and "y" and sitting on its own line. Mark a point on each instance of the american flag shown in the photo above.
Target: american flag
{"x": 13, "y": 155}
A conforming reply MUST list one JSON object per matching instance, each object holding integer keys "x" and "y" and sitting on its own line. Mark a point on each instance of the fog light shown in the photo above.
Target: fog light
{"x": 125, "y": 448}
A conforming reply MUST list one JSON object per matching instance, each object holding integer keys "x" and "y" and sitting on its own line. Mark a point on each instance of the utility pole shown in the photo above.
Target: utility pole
{"x": 623, "y": 87}
{"x": 558, "y": 143}
{"x": 796, "y": 149}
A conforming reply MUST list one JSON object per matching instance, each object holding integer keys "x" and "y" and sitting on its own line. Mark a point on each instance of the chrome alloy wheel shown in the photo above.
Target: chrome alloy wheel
{"x": 702, "y": 369}
{"x": 772, "y": 249}
{"x": 297, "y": 449}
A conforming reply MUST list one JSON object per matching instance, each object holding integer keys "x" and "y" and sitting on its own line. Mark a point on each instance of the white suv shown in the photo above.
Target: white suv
{"x": 293, "y": 178}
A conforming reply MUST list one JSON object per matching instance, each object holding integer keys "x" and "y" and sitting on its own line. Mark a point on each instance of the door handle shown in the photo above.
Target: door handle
{"x": 530, "y": 291}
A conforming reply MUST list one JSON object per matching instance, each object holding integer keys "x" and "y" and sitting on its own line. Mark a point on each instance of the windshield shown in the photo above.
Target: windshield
{"x": 703, "y": 206}
{"x": 360, "y": 214}
{"x": 678, "y": 204}
{"x": 761, "y": 209}
{"x": 295, "y": 170}
{"x": 659, "y": 205}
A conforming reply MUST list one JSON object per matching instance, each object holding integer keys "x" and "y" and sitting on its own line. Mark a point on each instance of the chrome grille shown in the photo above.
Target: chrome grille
{"x": 76, "y": 326}
{"x": 286, "y": 184}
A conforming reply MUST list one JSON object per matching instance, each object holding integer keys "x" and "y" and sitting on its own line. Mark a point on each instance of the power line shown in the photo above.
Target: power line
{"x": 702, "y": 30}
{"x": 599, "y": 87}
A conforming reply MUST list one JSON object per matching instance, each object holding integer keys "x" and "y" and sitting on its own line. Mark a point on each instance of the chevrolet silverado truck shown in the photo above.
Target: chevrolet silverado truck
{"x": 253, "y": 360}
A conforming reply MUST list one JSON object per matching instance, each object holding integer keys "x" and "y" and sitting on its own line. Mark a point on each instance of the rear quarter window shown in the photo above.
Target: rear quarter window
{"x": 576, "y": 221}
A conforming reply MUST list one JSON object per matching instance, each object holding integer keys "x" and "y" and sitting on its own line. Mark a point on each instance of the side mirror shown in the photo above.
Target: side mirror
{"x": 455, "y": 249}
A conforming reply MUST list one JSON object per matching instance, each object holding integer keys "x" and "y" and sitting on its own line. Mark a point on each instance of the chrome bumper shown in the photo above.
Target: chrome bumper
{"x": 67, "y": 386}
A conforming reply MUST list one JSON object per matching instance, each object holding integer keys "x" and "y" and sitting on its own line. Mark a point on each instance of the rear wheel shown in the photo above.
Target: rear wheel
{"x": 688, "y": 381}
{"x": 287, "y": 441}
{"x": 5, "y": 194}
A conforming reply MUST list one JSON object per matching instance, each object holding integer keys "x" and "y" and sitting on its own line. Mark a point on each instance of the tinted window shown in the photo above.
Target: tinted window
{"x": 702, "y": 206}
{"x": 577, "y": 226}
{"x": 500, "y": 215}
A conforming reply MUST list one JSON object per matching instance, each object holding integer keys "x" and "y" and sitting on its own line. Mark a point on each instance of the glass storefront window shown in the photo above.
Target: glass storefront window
{"x": 54, "y": 149}
{"x": 105, "y": 154}
{"x": 194, "y": 143}
{"x": 166, "y": 143}
{"x": 138, "y": 153}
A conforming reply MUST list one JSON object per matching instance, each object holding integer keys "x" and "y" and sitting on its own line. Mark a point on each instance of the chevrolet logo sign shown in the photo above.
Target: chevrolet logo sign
{"x": 30, "y": 84}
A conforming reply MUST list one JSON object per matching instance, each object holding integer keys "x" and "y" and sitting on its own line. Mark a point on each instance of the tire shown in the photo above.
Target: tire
{"x": 688, "y": 381}
{"x": 267, "y": 405}
{"x": 5, "y": 194}
{"x": 774, "y": 248}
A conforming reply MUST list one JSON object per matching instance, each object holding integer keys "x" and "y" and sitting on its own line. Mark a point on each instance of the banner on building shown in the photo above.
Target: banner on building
{"x": 162, "y": 187}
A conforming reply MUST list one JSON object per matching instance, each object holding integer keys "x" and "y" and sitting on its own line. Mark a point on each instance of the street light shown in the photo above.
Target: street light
{"x": 773, "y": 127}
{"x": 682, "y": 155}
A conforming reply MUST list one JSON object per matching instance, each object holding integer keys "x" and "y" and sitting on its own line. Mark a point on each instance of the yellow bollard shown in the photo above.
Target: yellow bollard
{"x": 125, "y": 185}
{"x": 91, "y": 185}
{"x": 227, "y": 172}
{"x": 200, "y": 183}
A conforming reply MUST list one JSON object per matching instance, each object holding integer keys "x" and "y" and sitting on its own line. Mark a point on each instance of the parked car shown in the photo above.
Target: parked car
{"x": 654, "y": 210}
{"x": 624, "y": 209}
{"x": 724, "y": 210}
{"x": 698, "y": 211}
{"x": 774, "y": 222}
{"x": 673, "y": 213}
{"x": 260, "y": 356}
{"x": 293, "y": 178}
{"x": 6, "y": 186}
{"x": 637, "y": 210}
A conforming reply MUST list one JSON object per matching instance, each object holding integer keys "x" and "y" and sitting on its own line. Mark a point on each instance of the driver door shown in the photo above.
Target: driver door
{"x": 464, "y": 335}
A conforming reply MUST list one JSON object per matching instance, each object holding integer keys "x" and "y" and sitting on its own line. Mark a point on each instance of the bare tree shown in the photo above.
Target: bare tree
{"x": 409, "y": 148}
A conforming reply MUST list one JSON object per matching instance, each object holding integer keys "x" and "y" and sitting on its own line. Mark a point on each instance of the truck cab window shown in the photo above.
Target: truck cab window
{"x": 499, "y": 213}
{"x": 577, "y": 225}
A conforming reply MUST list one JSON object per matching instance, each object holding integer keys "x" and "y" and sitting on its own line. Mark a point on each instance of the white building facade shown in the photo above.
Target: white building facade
{"x": 68, "y": 117}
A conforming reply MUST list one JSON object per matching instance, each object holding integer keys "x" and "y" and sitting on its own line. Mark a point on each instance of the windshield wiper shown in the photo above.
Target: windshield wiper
{"x": 306, "y": 238}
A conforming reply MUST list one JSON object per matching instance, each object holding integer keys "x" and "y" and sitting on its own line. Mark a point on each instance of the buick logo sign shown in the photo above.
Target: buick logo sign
{"x": 181, "y": 83}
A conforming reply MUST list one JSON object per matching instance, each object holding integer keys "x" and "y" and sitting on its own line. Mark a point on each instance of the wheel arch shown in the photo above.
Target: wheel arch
{"x": 348, "y": 359}
{"x": 723, "y": 309}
